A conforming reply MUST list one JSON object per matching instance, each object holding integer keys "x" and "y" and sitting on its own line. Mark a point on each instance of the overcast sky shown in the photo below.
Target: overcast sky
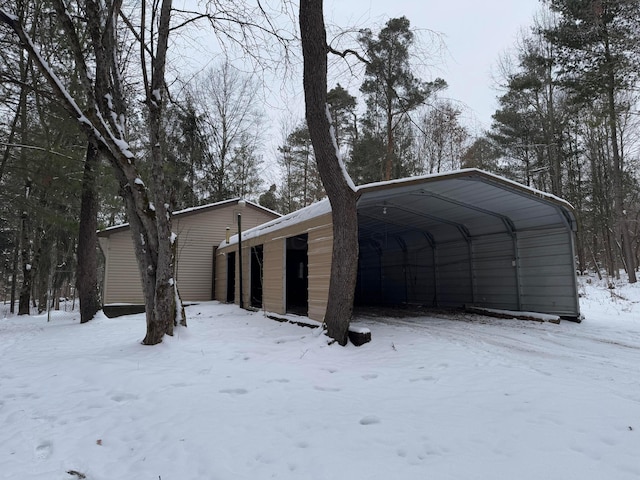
{"x": 475, "y": 33}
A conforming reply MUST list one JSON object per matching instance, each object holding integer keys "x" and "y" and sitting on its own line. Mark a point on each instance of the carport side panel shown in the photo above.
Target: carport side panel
{"x": 547, "y": 272}
{"x": 420, "y": 276}
{"x": 407, "y": 274}
{"x": 494, "y": 271}
{"x": 369, "y": 286}
{"x": 453, "y": 267}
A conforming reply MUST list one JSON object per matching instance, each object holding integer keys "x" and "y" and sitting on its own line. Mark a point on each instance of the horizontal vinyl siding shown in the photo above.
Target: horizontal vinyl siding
{"x": 197, "y": 235}
{"x": 122, "y": 273}
{"x": 221, "y": 277}
{"x": 320, "y": 244}
{"x": 319, "y": 241}
{"x": 273, "y": 280}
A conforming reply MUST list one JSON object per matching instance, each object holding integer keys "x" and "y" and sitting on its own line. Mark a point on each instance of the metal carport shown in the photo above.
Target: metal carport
{"x": 466, "y": 238}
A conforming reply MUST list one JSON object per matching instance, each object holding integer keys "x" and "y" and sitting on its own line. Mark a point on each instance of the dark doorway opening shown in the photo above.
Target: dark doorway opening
{"x": 256, "y": 276}
{"x": 231, "y": 277}
{"x": 369, "y": 288}
{"x": 297, "y": 281}
{"x": 213, "y": 274}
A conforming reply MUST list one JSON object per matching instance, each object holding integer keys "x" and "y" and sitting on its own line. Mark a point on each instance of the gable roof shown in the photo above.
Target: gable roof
{"x": 193, "y": 211}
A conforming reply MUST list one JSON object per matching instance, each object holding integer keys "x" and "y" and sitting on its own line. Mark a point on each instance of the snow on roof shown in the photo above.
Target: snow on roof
{"x": 461, "y": 172}
{"x": 312, "y": 211}
{"x": 323, "y": 206}
{"x": 192, "y": 210}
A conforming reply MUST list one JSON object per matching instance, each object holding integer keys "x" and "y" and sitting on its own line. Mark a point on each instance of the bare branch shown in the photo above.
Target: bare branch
{"x": 40, "y": 149}
{"x": 346, "y": 52}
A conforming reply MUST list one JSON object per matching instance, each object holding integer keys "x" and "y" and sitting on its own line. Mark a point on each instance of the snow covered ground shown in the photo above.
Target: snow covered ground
{"x": 239, "y": 396}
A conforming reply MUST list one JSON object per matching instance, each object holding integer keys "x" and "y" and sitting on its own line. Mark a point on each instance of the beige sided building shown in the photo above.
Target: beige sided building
{"x": 200, "y": 230}
{"x": 465, "y": 238}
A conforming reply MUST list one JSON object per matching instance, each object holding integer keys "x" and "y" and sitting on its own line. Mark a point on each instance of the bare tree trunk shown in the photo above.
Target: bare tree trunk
{"x": 105, "y": 126}
{"x": 339, "y": 188}
{"x": 166, "y": 296}
{"x": 388, "y": 166}
{"x": 14, "y": 271}
{"x": 622, "y": 224}
{"x": 87, "y": 267}
{"x": 27, "y": 270}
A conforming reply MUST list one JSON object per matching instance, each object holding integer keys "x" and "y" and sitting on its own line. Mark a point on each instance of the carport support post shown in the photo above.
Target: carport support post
{"x": 516, "y": 263}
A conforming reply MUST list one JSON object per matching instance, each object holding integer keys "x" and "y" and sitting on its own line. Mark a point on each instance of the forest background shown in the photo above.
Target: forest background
{"x": 566, "y": 123}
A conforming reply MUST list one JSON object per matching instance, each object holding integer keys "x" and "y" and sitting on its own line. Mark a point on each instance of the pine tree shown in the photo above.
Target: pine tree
{"x": 599, "y": 43}
{"x": 391, "y": 89}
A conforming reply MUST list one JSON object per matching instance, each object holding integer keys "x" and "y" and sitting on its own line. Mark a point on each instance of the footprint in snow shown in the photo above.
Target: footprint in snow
{"x": 123, "y": 397}
{"x": 369, "y": 420}
{"x": 422, "y": 379}
{"x": 234, "y": 391}
{"x": 327, "y": 389}
{"x": 278, "y": 380}
{"x": 43, "y": 450}
{"x": 370, "y": 376}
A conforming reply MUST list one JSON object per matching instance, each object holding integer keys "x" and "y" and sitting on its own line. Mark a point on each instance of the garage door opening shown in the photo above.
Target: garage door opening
{"x": 297, "y": 275}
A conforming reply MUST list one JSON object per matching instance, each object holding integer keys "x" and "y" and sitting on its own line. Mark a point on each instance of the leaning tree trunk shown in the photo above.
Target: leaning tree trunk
{"x": 103, "y": 120}
{"x": 339, "y": 188}
{"x": 87, "y": 267}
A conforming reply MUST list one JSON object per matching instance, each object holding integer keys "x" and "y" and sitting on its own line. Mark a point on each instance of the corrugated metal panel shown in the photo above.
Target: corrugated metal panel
{"x": 369, "y": 287}
{"x": 494, "y": 272}
{"x": 454, "y": 274}
{"x": 547, "y": 275}
{"x": 450, "y": 238}
{"x": 485, "y": 211}
{"x": 394, "y": 289}
{"x": 396, "y": 271}
{"x": 246, "y": 276}
{"x": 419, "y": 269}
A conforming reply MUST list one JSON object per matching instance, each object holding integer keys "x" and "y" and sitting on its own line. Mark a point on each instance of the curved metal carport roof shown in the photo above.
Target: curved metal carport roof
{"x": 467, "y": 237}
